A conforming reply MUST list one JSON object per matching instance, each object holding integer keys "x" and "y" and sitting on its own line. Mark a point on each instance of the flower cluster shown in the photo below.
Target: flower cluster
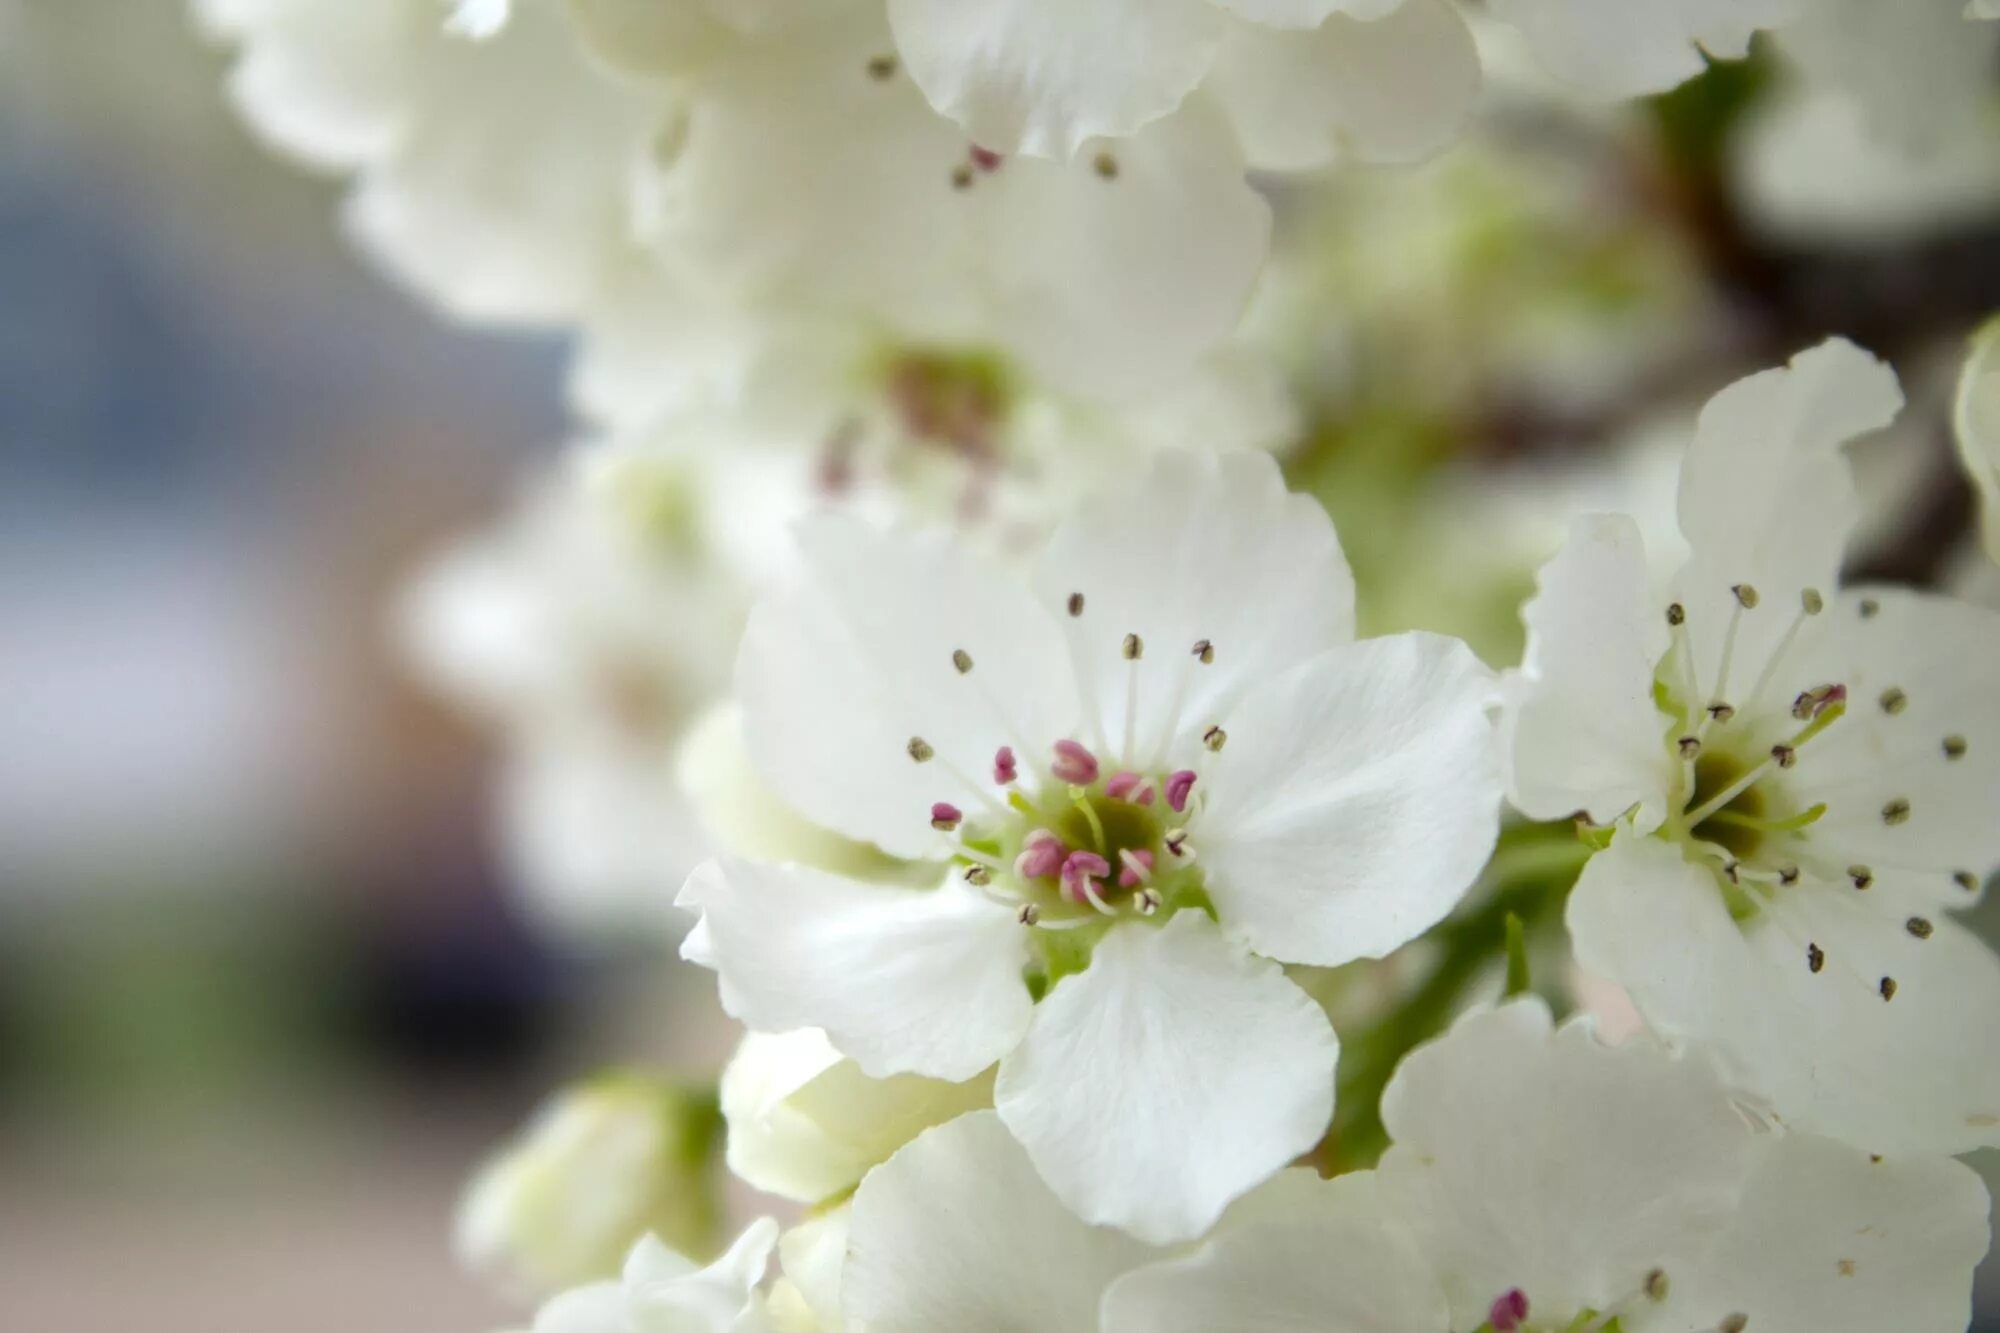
{"x": 1126, "y": 941}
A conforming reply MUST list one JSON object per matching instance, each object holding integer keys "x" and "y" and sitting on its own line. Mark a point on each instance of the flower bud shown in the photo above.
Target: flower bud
{"x": 602, "y": 1164}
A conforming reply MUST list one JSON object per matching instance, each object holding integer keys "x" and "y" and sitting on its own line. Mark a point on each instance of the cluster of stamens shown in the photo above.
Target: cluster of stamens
{"x": 1075, "y": 839}
{"x": 1721, "y": 807}
{"x": 1510, "y": 1312}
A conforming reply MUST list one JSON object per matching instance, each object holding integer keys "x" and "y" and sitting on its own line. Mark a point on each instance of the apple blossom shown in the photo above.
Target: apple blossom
{"x": 1137, "y": 785}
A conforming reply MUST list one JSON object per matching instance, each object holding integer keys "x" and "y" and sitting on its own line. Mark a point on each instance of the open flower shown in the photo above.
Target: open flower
{"x": 661, "y": 1291}
{"x": 1142, "y": 786}
{"x": 1802, "y": 778}
{"x": 1541, "y": 1182}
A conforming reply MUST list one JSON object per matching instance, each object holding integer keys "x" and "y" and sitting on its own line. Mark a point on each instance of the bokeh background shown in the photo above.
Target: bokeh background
{"x": 264, "y": 994}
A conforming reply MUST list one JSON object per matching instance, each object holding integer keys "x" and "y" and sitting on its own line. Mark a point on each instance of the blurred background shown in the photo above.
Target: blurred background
{"x": 265, "y": 995}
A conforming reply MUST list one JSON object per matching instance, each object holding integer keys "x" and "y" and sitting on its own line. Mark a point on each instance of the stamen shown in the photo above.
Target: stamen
{"x": 1076, "y": 604}
{"x": 881, "y": 68}
{"x": 1146, "y": 901}
{"x": 919, "y": 749}
{"x": 1204, "y": 652}
{"x": 1785, "y": 755}
{"x": 1508, "y": 1311}
{"x": 1136, "y": 867}
{"x": 1896, "y": 812}
{"x": 945, "y": 816}
{"x": 1133, "y": 648}
{"x": 1888, "y": 989}
{"x": 962, "y": 660}
{"x": 1074, "y": 764}
{"x": 1746, "y": 598}
{"x": 1861, "y": 876}
{"x": 1869, "y": 607}
{"x": 1919, "y": 927}
{"x": 1720, "y": 712}
{"x": 1215, "y": 738}
{"x": 978, "y": 876}
{"x": 1125, "y": 785}
{"x": 1815, "y": 958}
{"x": 985, "y": 158}
{"x": 1179, "y": 783}
{"x": 1005, "y": 769}
{"x": 1894, "y": 700}
{"x": 1811, "y": 601}
{"x": 1080, "y": 874}
{"x": 1030, "y": 914}
{"x": 1966, "y": 880}
{"x": 1176, "y": 841}
{"x": 1041, "y": 855}
{"x": 1954, "y": 747}
{"x": 1823, "y": 713}
{"x": 1690, "y": 747}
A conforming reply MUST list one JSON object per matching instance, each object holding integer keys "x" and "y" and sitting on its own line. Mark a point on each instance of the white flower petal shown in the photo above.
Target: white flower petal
{"x": 806, "y": 1124}
{"x": 332, "y": 85}
{"x": 1976, "y": 422}
{"x": 1626, "y": 48}
{"x": 1173, "y": 1046}
{"x": 508, "y": 185}
{"x": 1767, "y": 497}
{"x": 814, "y": 172}
{"x": 957, "y": 1232}
{"x": 1112, "y": 274}
{"x": 1339, "y": 1268}
{"x": 1042, "y": 76}
{"x": 902, "y": 980}
{"x": 1302, "y": 14}
{"x": 651, "y": 37}
{"x": 1580, "y": 728}
{"x": 1395, "y": 89}
{"x": 1922, "y": 727}
{"x": 840, "y": 673}
{"x": 1546, "y": 1161}
{"x": 1355, "y": 802}
{"x": 1822, "y": 1048}
{"x": 1828, "y": 1241}
{"x": 666, "y": 1296}
{"x": 1918, "y": 71}
{"x": 1170, "y": 559}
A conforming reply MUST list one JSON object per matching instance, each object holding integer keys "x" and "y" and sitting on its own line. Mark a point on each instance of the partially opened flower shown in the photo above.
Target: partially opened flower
{"x": 604, "y": 1163}
{"x": 661, "y": 1291}
{"x": 1141, "y": 785}
{"x": 1542, "y": 1182}
{"x": 1976, "y": 423}
{"x": 1802, "y": 778}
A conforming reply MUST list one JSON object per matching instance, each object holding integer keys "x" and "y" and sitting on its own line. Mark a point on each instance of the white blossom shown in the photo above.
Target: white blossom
{"x": 602, "y": 1164}
{"x": 1541, "y": 1181}
{"x": 1800, "y": 778}
{"x": 661, "y": 1291}
{"x": 1920, "y": 72}
{"x": 1091, "y": 768}
{"x": 1976, "y": 423}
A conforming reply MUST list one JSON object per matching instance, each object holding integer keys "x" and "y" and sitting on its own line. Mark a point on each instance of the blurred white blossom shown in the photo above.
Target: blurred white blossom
{"x": 1976, "y": 424}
